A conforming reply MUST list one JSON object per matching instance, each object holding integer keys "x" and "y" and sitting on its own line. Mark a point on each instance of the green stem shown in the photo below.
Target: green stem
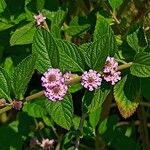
{"x": 36, "y": 95}
{"x": 80, "y": 129}
{"x": 5, "y": 109}
{"x": 125, "y": 66}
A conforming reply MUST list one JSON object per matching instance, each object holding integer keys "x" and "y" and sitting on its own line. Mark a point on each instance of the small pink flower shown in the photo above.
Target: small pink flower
{"x": 91, "y": 80}
{"x": 39, "y": 19}
{"x": 47, "y": 144}
{"x": 51, "y": 77}
{"x": 110, "y": 71}
{"x": 67, "y": 76}
{"x": 56, "y": 92}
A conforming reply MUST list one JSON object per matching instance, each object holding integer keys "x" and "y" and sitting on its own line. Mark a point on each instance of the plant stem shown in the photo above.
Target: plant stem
{"x": 36, "y": 95}
{"x": 73, "y": 81}
{"x": 80, "y": 130}
{"x": 125, "y": 66}
{"x": 5, "y": 109}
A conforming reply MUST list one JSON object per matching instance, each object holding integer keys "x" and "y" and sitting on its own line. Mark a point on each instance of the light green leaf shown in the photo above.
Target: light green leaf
{"x": 22, "y": 75}
{"x": 3, "y": 5}
{"x": 115, "y": 3}
{"x": 36, "y": 108}
{"x": 71, "y": 58}
{"x": 61, "y": 111}
{"x": 45, "y": 47}
{"x": 5, "y": 85}
{"x": 94, "y": 117}
{"x": 5, "y": 25}
{"x": 104, "y": 31}
{"x": 23, "y": 35}
{"x": 141, "y": 65}
{"x": 127, "y": 95}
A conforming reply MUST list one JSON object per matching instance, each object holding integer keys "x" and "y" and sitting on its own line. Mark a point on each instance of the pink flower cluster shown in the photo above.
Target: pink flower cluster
{"x": 110, "y": 72}
{"x": 54, "y": 83}
{"x": 56, "y": 88}
{"x": 39, "y": 19}
{"x": 91, "y": 80}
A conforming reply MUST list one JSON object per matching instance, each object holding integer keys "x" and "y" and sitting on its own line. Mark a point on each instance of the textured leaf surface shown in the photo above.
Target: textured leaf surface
{"x": 137, "y": 40}
{"x": 45, "y": 47}
{"x": 104, "y": 32}
{"x": 141, "y": 65}
{"x": 56, "y": 18}
{"x": 5, "y": 85}
{"x": 97, "y": 53}
{"x": 61, "y": 111}
{"x": 127, "y": 94}
{"x": 22, "y": 75}
{"x": 36, "y": 108}
{"x": 23, "y": 35}
{"x": 71, "y": 57}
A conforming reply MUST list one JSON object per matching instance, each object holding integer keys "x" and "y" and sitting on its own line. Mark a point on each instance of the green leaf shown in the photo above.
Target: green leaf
{"x": 71, "y": 58}
{"x": 5, "y": 85}
{"x": 75, "y": 30}
{"x": 141, "y": 65}
{"x": 94, "y": 117}
{"x": 5, "y": 25}
{"x": 23, "y": 35}
{"x": 45, "y": 47}
{"x": 36, "y": 108}
{"x": 77, "y": 26}
{"x": 94, "y": 100}
{"x": 99, "y": 97}
{"x": 127, "y": 95}
{"x": 137, "y": 40}
{"x": 9, "y": 66}
{"x": 22, "y": 75}
{"x": 3, "y": 5}
{"x": 61, "y": 111}
{"x": 97, "y": 53}
{"x": 104, "y": 32}
{"x": 115, "y": 3}
{"x": 57, "y": 18}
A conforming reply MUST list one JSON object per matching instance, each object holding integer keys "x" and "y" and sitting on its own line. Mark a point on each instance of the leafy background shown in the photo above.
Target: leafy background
{"x": 82, "y": 34}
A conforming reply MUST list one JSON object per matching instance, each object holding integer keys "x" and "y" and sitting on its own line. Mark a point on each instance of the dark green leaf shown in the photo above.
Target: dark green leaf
{"x": 61, "y": 111}
{"x": 105, "y": 34}
{"x": 134, "y": 39}
{"x": 127, "y": 95}
{"x": 71, "y": 58}
{"x": 22, "y": 75}
{"x": 141, "y": 65}
{"x": 45, "y": 47}
{"x": 23, "y": 35}
{"x": 145, "y": 86}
